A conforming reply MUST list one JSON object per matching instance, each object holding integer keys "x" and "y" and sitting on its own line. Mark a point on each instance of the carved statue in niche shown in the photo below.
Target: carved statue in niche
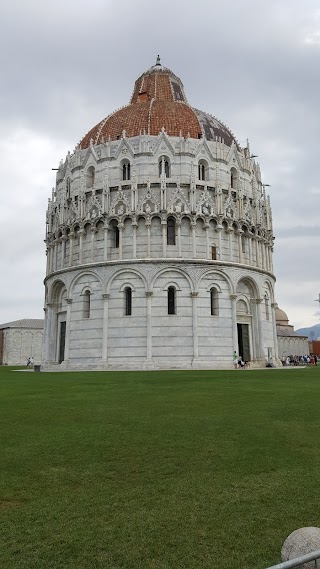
{"x": 120, "y": 211}
{"x": 229, "y": 212}
{"x": 229, "y": 208}
{"x": 206, "y": 203}
{"x": 248, "y": 214}
{"x": 178, "y": 200}
{"x": 205, "y": 208}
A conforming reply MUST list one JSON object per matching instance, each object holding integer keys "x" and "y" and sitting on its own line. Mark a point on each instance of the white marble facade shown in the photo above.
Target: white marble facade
{"x": 151, "y": 213}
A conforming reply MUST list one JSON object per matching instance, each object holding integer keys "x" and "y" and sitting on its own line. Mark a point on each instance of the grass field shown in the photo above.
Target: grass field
{"x": 159, "y": 470}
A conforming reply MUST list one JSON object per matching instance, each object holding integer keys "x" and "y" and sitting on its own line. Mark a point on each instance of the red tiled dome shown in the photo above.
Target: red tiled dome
{"x": 158, "y": 101}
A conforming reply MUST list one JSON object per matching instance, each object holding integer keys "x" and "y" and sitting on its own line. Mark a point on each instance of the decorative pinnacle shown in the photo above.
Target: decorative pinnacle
{"x": 158, "y": 62}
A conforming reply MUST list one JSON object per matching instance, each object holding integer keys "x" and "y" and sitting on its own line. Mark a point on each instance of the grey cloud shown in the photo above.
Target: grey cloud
{"x": 65, "y": 67}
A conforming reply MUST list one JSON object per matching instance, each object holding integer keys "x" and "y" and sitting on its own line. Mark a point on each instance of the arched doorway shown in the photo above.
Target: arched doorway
{"x": 57, "y": 322}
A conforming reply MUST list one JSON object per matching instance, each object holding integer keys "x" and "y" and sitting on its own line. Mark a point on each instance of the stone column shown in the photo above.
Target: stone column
{"x": 250, "y": 249}
{"x": 271, "y": 259}
{"x": 149, "y": 324}
{"x": 219, "y": 229}
{"x": 263, "y": 261}
{"x": 178, "y": 226}
{"x": 134, "y": 239}
{"x": 47, "y": 261}
{"x": 63, "y": 250}
{"x": 194, "y": 296}
{"x": 234, "y": 322}
{"x": 71, "y": 238}
{"x": 105, "y": 328}
{"x": 240, "y": 237}
{"x": 148, "y": 226}
{"x": 266, "y": 247}
{"x": 194, "y": 241}
{"x": 274, "y": 326}
{"x": 121, "y": 228}
{"x": 50, "y": 341}
{"x": 261, "y": 354}
{"x": 81, "y": 232}
{"x": 56, "y": 255}
{"x": 93, "y": 232}
{"x": 45, "y": 346}
{"x": 207, "y": 241}
{"x": 230, "y": 244}
{"x": 68, "y": 327}
{"x": 257, "y": 252}
{"x": 105, "y": 243}
{"x": 164, "y": 238}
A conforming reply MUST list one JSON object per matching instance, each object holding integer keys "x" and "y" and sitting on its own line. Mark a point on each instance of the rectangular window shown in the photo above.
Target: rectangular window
{"x": 214, "y": 253}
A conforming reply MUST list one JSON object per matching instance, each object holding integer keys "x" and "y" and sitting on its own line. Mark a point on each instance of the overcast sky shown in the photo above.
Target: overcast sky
{"x": 67, "y": 64}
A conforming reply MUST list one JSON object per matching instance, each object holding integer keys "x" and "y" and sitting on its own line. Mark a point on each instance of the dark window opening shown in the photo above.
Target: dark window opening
{"x": 214, "y": 302}
{"x": 62, "y": 341}
{"x": 201, "y": 172}
{"x": 116, "y": 236}
{"x": 126, "y": 171}
{"x": 86, "y": 304}
{"x": 91, "y": 174}
{"x": 164, "y": 167}
{"x": 171, "y": 300}
{"x": 171, "y": 231}
{"x": 214, "y": 253}
{"x": 128, "y": 301}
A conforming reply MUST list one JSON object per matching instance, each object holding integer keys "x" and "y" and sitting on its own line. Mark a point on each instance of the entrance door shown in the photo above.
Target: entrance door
{"x": 62, "y": 341}
{"x": 243, "y": 341}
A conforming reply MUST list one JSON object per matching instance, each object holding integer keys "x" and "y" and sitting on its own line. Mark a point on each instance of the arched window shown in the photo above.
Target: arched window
{"x": 128, "y": 301}
{"x": 171, "y": 300}
{"x": 233, "y": 178}
{"x": 86, "y": 304}
{"x": 90, "y": 180}
{"x": 266, "y": 304}
{"x": 171, "y": 231}
{"x": 214, "y": 302}
{"x": 164, "y": 167}
{"x": 126, "y": 170}
{"x": 202, "y": 170}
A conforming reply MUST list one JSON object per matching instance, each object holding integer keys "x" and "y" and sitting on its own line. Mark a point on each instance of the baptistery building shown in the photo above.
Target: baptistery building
{"x": 159, "y": 242}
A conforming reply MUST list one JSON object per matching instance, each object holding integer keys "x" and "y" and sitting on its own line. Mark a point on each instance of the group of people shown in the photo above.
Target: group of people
{"x": 239, "y": 363}
{"x": 30, "y": 362}
{"x": 306, "y": 359}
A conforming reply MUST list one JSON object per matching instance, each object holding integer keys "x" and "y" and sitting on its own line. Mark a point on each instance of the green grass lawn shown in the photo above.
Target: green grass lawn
{"x": 158, "y": 470}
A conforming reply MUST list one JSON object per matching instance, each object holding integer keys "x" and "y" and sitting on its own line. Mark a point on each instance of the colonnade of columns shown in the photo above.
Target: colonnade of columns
{"x": 247, "y": 243}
